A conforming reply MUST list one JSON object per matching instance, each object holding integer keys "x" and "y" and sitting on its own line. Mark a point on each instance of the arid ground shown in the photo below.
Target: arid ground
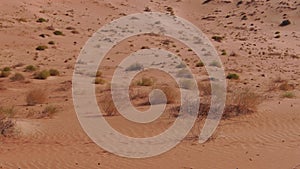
{"x": 258, "y": 42}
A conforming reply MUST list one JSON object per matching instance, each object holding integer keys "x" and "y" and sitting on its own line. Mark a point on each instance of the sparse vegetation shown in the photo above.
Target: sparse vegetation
{"x": 41, "y": 20}
{"x": 181, "y": 65}
{"x": 145, "y": 82}
{"x": 48, "y": 112}
{"x": 288, "y": 95}
{"x": 44, "y": 74}
{"x": 204, "y": 88}
{"x": 36, "y": 96}
{"x": 187, "y": 84}
{"x": 17, "y": 77}
{"x": 60, "y": 33}
{"x": 4, "y": 73}
{"x": 217, "y": 38}
{"x": 135, "y": 67}
{"x": 99, "y": 80}
{"x": 30, "y": 68}
{"x": 233, "y": 76}
{"x": 41, "y": 48}
{"x": 184, "y": 73}
{"x": 215, "y": 64}
{"x": 199, "y": 64}
{"x": 54, "y": 72}
{"x": 51, "y": 43}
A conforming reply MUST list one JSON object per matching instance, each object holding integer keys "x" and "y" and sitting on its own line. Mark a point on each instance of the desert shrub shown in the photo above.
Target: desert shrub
{"x": 41, "y": 20}
{"x": 7, "y": 126}
{"x": 181, "y": 65}
{"x": 41, "y": 48}
{"x": 170, "y": 93}
{"x": 99, "y": 81}
{"x": 4, "y": 73}
{"x": 288, "y": 95}
{"x": 285, "y": 86}
{"x": 135, "y": 67}
{"x": 233, "y": 76}
{"x": 58, "y": 33}
{"x": 8, "y": 111}
{"x": 42, "y": 75}
{"x": 6, "y": 69}
{"x": 107, "y": 104}
{"x": 51, "y": 43}
{"x": 199, "y": 64}
{"x": 99, "y": 74}
{"x": 53, "y": 72}
{"x": 17, "y": 77}
{"x": 223, "y": 52}
{"x": 187, "y": 84}
{"x": 215, "y": 64}
{"x": 243, "y": 101}
{"x": 184, "y": 73}
{"x": 217, "y": 38}
{"x": 145, "y": 82}
{"x": 30, "y": 68}
{"x": 36, "y": 96}
{"x": 48, "y": 112}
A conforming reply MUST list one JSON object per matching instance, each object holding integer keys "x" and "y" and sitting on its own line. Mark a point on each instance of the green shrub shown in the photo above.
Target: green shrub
{"x": 6, "y": 69}
{"x": 135, "y": 67}
{"x": 4, "y": 73}
{"x": 288, "y": 95}
{"x": 51, "y": 43}
{"x": 41, "y": 48}
{"x": 200, "y": 64}
{"x": 53, "y": 72}
{"x": 99, "y": 81}
{"x": 42, "y": 74}
{"x": 30, "y": 68}
{"x": 17, "y": 77}
{"x": 41, "y": 20}
{"x": 232, "y": 76}
{"x": 58, "y": 33}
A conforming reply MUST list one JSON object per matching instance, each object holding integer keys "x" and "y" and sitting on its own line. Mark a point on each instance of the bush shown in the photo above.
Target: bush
{"x": 135, "y": 67}
{"x": 170, "y": 93}
{"x": 41, "y": 20}
{"x": 53, "y": 72}
{"x": 285, "y": 86}
{"x": 17, "y": 77}
{"x": 244, "y": 101}
{"x": 41, "y": 48}
{"x": 99, "y": 74}
{"x": 30, "y": 68}
{"x": 42, "y": 75}
{"x": 4, "y": 73}
{"x": 51, "y": 43}
{"x": 200, "y": 64}
{"x": 233, "y": 76}
{"x": 217, "y": 38}
{"x": 7, "y": 126}
{"x": 99, "y": 81}
{"x": 215, "y": 64}
{"x": 184, "y": 73}
{"x": 48, "y": 112}
{"x": 288, "y": 95}
{"x": 145, "y": 82}
{"x": 6, "y": 69}
{"x": 36, "y": 96}
{"x": 58, "y": 33}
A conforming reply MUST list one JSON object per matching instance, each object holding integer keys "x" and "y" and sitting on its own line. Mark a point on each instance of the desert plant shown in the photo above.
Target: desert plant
{"x": 41, "y": 48}
{"x": 30, "y": 68}
{"x": 145, "y": 82}
{"x": 99, "y": 81}
{"x": 42, "y": 75}
{"x": 6, "y": 69}
{"x": 51, "y": 43}
{"x": 53, "y": 72}
{"x": 288, "y": 95}
{"x": 233, "y": 76}
{"x": 171, "y": 94}
{"x": 217, "y": 38}
{"x": 184, "y": 73}
{"x": 215, "y": 64}
{"x": 199, "y": 64}
{"x": 41, "y": 20}
{"x": 4, "y": 73}
{"x": 99, "y": 74}
{"x": 135, "y": 67}
{"x": 204, "y": 88}
{"x": 58, "y": 33}
{"x": 244, "y": 101}
{"x": 285, "y": 86}
{"x": 36, "y": 96}
{"x": 17, "y": 77}
{"x": 48, "y": 112}
{"x": 7, "y": 126}
{"x": 187, "y": 84}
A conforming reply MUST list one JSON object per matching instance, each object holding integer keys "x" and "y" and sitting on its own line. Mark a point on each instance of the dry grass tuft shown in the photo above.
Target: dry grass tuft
{"x": 7, "y": 126}
{"x": 36, "y": 96}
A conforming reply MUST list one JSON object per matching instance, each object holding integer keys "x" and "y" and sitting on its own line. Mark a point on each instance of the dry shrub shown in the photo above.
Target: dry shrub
{"x": 7, "y": 126}
{"x": 48, "y": 112}
{"x": 36, "y": 96}
{"x": 145, "y": 82}
{"x": 204, "y": 88}
{"x": 106, "y": 103}
{"x": 17, "y": 77}
{"x": 285, "y": 86}
{"x": 171, "y": 94}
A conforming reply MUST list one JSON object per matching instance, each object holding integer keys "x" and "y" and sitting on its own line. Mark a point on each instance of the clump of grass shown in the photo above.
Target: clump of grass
{"x": 41, "y": 48}
{"x": 51, "y": 43}
{"x": 288, "y": 95}
{"x": 135, "y": 67}
{"x": 215, "y": 64}
{"x": 285, "y": 86}
{"x": 99, "y": 80}
{"x": 60, "y": 33}
{"x": 145, "y": 82}
{"x": 99, "y": 74}
{"x": 36, "y": 96}
{"x": 7, "y": 126}
{"x": 17, "y": 77}
{"x": 6, "y": 69}
{"x": 199, "y": 64}
{"x": 54, "y": 72}
{"x": 30, "y": 68}
{"x": 41, "y": 20}
{"x": 4, "y": 73}
{"x": 184, "y": 73}
{"x": 233, "y": 76}
{"x": 48, "y": 112}
{"x": 44, "y": 74}
{"x": 181, "y": 65}
{"x": 217, "y": 38}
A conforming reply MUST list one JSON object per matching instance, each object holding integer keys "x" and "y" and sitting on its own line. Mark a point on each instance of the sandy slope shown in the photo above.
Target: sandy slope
{"x": 269, "y": 138}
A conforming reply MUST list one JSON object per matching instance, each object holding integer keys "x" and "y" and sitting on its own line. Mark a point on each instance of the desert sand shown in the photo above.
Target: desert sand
{"x": 246, "y": 33}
